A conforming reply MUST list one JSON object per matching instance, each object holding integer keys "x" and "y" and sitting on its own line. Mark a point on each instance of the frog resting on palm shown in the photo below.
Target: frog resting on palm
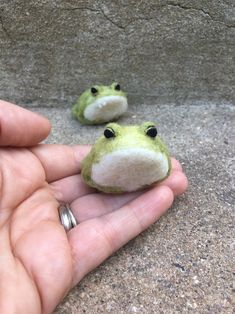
{"x": 126, "y": 159}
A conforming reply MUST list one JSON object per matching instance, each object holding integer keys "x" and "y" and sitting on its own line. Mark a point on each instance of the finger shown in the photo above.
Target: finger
{"x": 94, "y": 240}
{"x": 60, "y": 161}
{"x": 96, "y": 205}
{"x": 68, "y": 189}
{"x": 21, "y": 127}
{"x": 175, "y": 164}
{"x": 177, "y": 182}
{"x": 71, "y": 188}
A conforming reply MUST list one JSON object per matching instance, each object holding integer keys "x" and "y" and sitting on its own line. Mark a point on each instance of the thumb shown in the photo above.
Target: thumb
{"x": 21, "y": 127}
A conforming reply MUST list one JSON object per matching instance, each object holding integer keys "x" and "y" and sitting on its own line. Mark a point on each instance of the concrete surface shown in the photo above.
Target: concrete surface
{"x": 159, "y": 50}
{"x": 185, "y": 262}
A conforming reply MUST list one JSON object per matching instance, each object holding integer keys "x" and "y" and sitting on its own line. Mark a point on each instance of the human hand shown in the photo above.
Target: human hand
{"x": 39, "y": 261}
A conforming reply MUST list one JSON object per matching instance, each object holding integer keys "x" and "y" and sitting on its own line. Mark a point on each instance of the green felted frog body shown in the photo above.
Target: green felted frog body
{"x": 126, "y": 159}
{"x": 100, "y": 104}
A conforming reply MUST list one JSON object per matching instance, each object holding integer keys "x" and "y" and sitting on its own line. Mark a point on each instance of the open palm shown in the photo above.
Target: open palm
{"x": 39, "y": 261}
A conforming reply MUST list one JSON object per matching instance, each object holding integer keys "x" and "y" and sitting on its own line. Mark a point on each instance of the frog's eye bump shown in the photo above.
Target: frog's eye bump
{"x": 109, "y": 133}
{"x": 151, "y": 131}
{"x": 117, "y": 87}
{"x": 94, "y": 91}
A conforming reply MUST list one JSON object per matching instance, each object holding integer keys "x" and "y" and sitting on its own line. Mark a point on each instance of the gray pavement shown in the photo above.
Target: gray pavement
{"x": 184, "y": 263}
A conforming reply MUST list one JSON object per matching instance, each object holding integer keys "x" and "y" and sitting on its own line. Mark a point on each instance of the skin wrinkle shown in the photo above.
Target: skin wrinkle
{"x": 31, "y": 226}
{"x": 73, "y": 259}
{"x": 57, "y": 191}
{"x": 176, "y": 178}
{"x": 1, "y": 188}
{"x": 7, "y": 172}
{"x": 33, "y": 272}
{"x": 32, "y": 151}
{"x": 96, "y": 231}
{"x": 5, "y": 215}
{"x": 0, "y": 126}
{"x": 109, "y": 245}
{"x": 109, "y": 227}
{"x": 81, "y": 155}
{"x": 32, "y": 280}
{"x": 140, "y": 222}
{"x": 29, "y": 195}
{"x": 13, "y": 260}
{"x": 162, "y": 197}
{"x": 68, "y": 189}
{"x": 34, "y": 277}
{"x": 110, "y": 234}
{"x": 99, "y": 204}
{"x": 6, "y": 255}
{"x": 116, "y": 203}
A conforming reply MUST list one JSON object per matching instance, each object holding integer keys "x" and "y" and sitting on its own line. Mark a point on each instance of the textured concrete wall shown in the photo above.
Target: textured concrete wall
{"x": 163, "y": 51}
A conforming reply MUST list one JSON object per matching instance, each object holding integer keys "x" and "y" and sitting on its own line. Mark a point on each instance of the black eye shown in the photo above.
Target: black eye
{"x": 117, "y": 87}
{"x": 151, "y": 131}
{"x": 108, "y": 133}
{"x": 94, "y": 91}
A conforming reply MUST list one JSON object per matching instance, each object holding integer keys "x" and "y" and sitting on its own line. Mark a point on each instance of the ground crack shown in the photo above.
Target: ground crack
{"x": 123, "y": 27}
{"x": 204, "y": 12}
{"x": 79, "y": 9}
{"x": 5, "y": 29}
{"x": 100, "y": 10}
{"x": 111, "y": 21}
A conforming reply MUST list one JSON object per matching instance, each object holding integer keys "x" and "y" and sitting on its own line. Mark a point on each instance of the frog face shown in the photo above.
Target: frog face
{"x": 126, "y": 158}
{"x": 100, "y": 104}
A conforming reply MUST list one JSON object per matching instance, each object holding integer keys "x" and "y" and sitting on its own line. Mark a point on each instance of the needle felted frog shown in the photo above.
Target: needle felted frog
{"x": 100, "y": 104}
{"x": 126, "y": 158}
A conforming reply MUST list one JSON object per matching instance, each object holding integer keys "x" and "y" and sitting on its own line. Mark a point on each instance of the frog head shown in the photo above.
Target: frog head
{"x": 126, "y": 158}
{"x": 100, "y": 104}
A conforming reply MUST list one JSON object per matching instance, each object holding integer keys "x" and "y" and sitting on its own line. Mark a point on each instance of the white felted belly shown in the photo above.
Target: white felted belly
{"x": 106, "y": 108}
{"x": 130, "y": 169}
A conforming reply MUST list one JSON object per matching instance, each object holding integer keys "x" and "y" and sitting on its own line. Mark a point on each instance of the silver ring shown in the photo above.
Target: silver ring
{"x": 67, "y": 218}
